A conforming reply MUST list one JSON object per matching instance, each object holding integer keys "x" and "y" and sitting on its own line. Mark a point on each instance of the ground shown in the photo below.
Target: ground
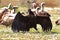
{"x": 7, "y": 34}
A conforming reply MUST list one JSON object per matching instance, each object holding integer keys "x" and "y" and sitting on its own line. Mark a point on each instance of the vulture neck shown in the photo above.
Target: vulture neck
{"x": 42, "y": 8}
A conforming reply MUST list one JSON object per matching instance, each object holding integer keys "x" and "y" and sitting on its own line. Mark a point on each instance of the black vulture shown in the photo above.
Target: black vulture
{"x": 23, "y": 23}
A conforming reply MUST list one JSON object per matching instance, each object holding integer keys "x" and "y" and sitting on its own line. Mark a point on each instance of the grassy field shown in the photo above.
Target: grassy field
{"x": 7, "y": 34}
